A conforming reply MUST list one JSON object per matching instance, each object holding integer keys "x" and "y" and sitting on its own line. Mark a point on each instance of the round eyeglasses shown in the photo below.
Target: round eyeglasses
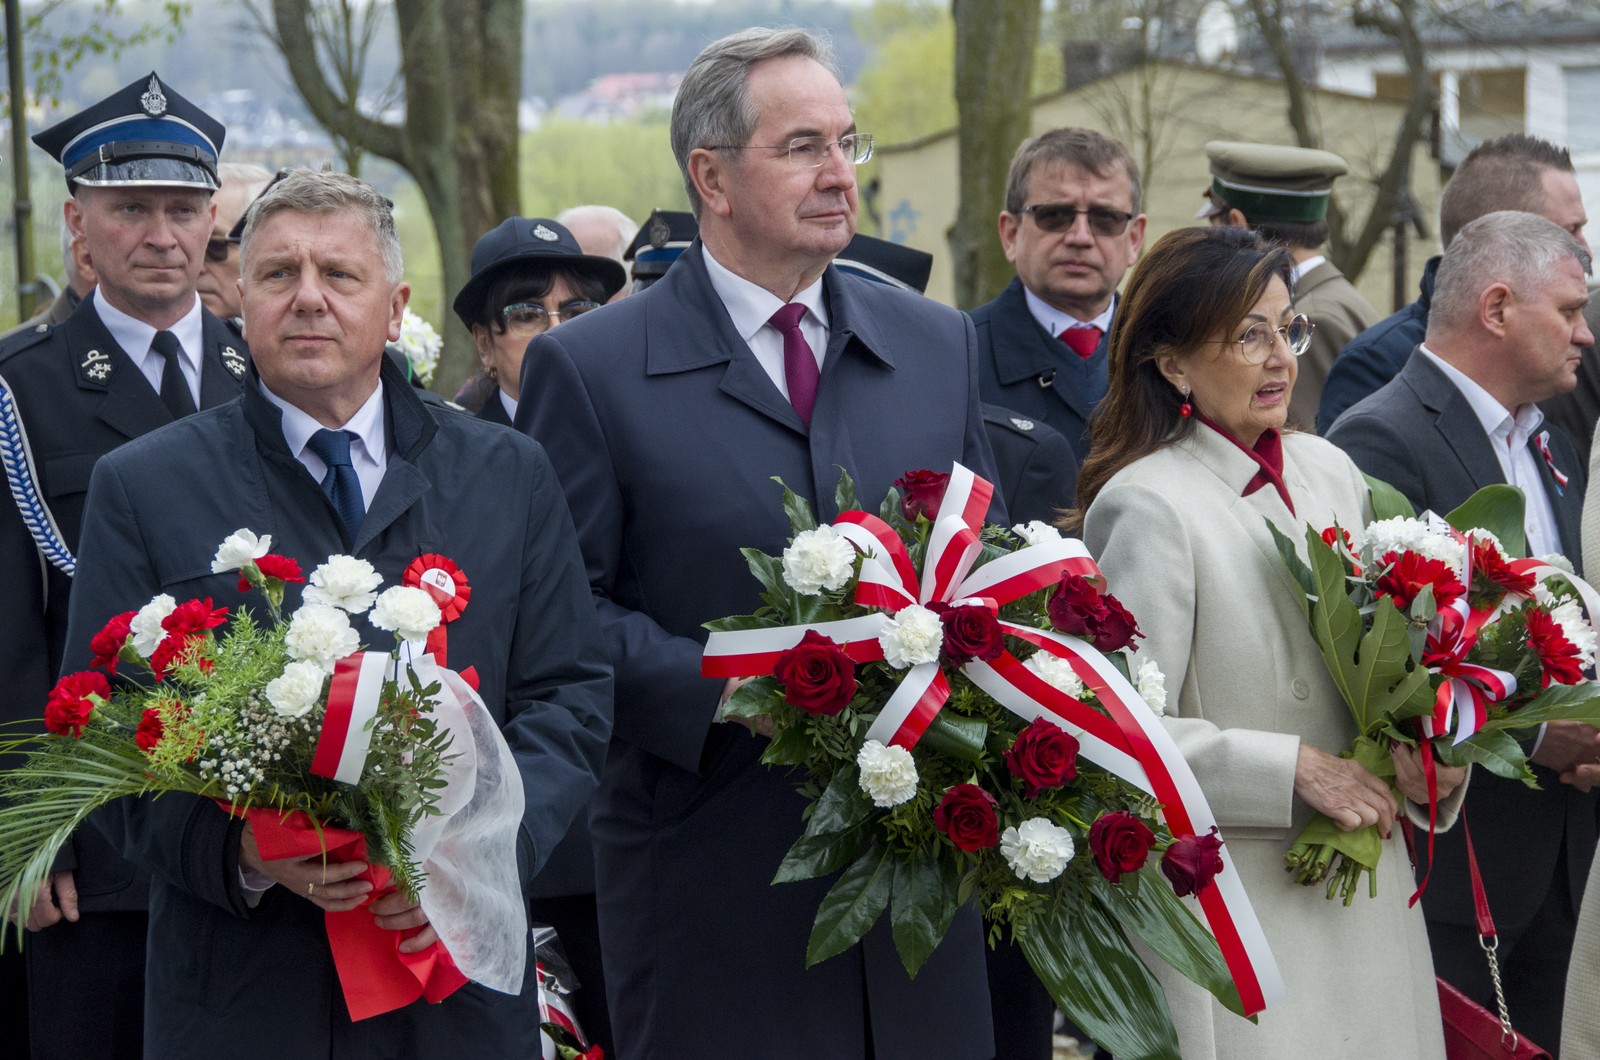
{"x": 1256, "y": 344}
{"x": 528, "y": 317}
{"x": 811, "y": 152}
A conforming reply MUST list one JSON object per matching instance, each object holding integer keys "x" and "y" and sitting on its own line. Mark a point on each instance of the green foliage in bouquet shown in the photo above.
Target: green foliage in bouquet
{"x": 941, "y": 825}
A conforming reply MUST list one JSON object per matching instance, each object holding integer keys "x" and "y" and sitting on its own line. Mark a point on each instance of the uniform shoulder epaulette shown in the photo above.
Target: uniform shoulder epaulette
{"x": 26, "y": 339}
{"x": 1010, "y": 420}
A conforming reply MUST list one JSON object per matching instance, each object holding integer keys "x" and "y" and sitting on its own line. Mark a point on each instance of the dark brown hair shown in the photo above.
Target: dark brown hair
{"x": 1085, "y": 149}
{"x": 1192, "y": 286}
{"x": 1506, "y": 173}
{"x": 529, "y": 282}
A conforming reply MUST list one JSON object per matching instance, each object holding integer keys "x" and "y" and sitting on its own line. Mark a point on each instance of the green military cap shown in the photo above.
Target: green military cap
{"x": 1270, "y": 182}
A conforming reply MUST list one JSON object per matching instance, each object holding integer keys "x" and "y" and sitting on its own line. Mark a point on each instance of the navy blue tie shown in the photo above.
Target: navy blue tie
{"x": 174, "y": 388}
{"x": 340, "y": 483}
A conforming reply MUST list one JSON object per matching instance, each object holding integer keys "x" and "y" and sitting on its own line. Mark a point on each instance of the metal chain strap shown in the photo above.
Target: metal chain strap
{"x": 1508, "y": 1036}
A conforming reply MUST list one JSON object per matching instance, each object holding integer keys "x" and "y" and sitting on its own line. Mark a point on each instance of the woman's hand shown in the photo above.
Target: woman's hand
{"x": 1413, "y": 783}
{"x": 1351, "y": 797}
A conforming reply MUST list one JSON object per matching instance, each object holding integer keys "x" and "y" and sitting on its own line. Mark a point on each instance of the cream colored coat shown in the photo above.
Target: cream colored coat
{"x": 1195, "y": 563}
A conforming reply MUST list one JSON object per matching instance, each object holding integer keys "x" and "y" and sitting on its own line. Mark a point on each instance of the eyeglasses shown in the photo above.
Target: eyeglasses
{"x": 528, "y": 317}
{"x": 1058, "y": 217}
{"x": 810, "y": 152}
{"x": 1256, "y": 344}
{"x": 217, "y": 250}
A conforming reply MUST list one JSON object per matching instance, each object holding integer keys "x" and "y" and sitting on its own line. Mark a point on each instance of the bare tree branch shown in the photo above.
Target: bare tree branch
{"x": 296, "y": 41}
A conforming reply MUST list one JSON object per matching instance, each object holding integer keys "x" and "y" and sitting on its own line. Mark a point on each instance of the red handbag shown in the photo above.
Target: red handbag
{"x": 1472, "y": 1032}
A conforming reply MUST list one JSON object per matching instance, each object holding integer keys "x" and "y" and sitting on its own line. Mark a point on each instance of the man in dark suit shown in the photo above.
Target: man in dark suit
{"x": 1505, "y": 330}
{"x": 138, "y": 353}
{"x": 667, "y": 415}
{"x": 1072, "y": 227}
{"x": 239, "y": 958}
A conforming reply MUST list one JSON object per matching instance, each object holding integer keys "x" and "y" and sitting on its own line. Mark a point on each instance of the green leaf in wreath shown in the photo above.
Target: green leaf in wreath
{"x": 734, "y": 623}
{"x": 753, "y": 699}
{"x": 851, "y": 906}
{"x": 922, "y": 904}
{"x": 844, "y": 494}
{"x": 768, "y": 570}
{"x": 1556, "y": 703}
{"x": 1500, "y": 510}
{"x": 1159, "y": 918}
{"x": 790, "y": 746}
{"x": 1087, "y": 966}
{"x": 1388, "y": 502}
{"x": 1497, "y": 752}
{"x": 797, "y": 508}
{"x": 958, "y": 737}
{"x": 1297, "y": 567}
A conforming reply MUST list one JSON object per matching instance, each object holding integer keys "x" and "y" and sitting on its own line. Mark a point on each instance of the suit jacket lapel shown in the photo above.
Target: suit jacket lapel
{"x": 222, "y": 362}
{"x": 131, "y": 406}
{"x": 1457, "y": 424}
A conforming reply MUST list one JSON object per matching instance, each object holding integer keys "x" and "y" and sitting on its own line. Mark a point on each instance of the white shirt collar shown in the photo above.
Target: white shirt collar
{"x": 1055, "y": 321}
{"x": 750, "y": 305}
{"x": 134, "y": 335}
{"x": 1300, "y": 269}
{"x": 1496, "y": 419}
{"x": 508, "y": 403}
{"x": 371, "y": 444}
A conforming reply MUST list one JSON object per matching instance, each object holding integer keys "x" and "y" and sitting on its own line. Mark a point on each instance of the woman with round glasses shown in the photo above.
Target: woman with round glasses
{"x": 1188, "y": 467}
{"x": 528, "y": 275}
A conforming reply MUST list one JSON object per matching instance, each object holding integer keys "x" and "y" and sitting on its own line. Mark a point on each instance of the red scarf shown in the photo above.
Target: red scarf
{"x": 1268, "y": 455}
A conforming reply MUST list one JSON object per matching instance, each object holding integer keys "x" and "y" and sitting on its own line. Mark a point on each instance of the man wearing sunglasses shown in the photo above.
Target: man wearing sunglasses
{"x": 219, "y": 276}
{"x": 1072, "y": 227}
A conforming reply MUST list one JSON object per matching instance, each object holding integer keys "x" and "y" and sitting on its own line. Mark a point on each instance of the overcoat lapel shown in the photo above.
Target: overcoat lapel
{"x": 131, "y": 406}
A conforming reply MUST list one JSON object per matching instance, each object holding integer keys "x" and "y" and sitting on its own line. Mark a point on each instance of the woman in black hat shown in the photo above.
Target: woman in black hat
{"x": 528, "y": 275}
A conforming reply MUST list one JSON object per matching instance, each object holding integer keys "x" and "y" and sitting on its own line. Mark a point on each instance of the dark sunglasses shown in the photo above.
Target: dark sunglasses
{"x": 217, "y": 250}
{"x": 1058, "y": 217}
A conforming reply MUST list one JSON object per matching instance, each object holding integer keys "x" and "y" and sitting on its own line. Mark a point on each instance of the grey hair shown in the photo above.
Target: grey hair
{"x": 713, "y": 103}
{"x": 620, "y": 223}
{"x": 324, "y": 191}
{"x": 1520, "y": 250}
{"x": 251, "y": 177}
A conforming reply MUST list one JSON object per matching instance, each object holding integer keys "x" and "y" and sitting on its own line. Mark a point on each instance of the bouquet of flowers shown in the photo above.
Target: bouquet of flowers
{"x": 421, "y": 345}
{"x": 959, "y": 699}
{"x": 1437, "y": 634}
{"x": 383, "y": 757}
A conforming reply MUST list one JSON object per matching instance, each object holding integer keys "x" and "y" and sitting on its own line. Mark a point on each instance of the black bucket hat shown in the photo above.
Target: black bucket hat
{"x": 532, "y": 241}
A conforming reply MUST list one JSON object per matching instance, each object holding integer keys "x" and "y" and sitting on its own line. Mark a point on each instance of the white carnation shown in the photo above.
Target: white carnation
{"x": 888, "y": 774}
{"x": 298, "y": 689}
{"x": 1056, "y": 672}
{"x": 343, "y": 582}
{"x": 817, "y": 560}
{"x": 421, "y": 345}
{"x": 1036, "y": 532}
{"x": 1152, "y": 685}
{"x": 1413, "y": 535}
{"x": 1543, "y": 596}
{"x": 1037, "y": 849}
{"x": 321, "y": 635}
{"x": 1556, "y": 559}
{"x": 408, "y": 613}
{"x": 1576, "y": 628}
{"x": 242, "y": 547}
{"x": 146, "y": 625}
{"x": 1478, "y": 533}
{"x": 913, "y": 636}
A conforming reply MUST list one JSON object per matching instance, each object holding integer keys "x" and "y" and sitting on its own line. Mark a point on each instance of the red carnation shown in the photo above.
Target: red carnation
{"x": 1120, "y": 843}
{"x": 1410, "y": 572}
{"x": 1192, "y": 861}
{"x": 108, "y": 643}
{"x": 272, "y": 565}
{"x": 68, "y": 708}
{"x": 192, "y": 617}
{"x": 1044, "y": 756}
{"x": 971, "y": 631}
{"x": 1559, "y": 659}
{"x": 921, "y": 493}
{"x": 816, "y": 674}
{"x": 1338, "y": 539}
{"x": 1492, "y": 567}
{"x": 150, "y": 730}
{"x": 967, "y": 815}
{"x": 1078, "y": 609}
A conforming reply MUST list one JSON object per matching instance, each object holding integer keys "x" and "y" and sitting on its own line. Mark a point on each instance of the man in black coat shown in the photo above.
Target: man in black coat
{"x": 136, "y": 354}
{"x": 1506, "y": 330}
{"x": 239, "y": 959}
{"x": 1072, "y": 227}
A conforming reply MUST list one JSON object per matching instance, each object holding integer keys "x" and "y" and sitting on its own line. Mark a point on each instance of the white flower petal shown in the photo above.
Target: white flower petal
{"x": 888, "y": 774}
{"x": 818, "y": 560}
{"x": 241, "y": 547}
{"x": 146, "y": 625}
{"x": 409, "y": 613}
{"x": 1037, "y": 849}
{"x": 344, "y": 582}
{"x": 912, "y": 637}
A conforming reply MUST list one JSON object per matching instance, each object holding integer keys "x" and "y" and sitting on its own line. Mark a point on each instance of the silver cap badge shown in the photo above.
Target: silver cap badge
{"x": 154, "y": 101}
{"x": 541, "y": 232}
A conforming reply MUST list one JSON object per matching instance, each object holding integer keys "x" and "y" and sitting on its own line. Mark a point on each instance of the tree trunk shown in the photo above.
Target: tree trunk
{"x": 463, "y": 80}
{"x": 995, "y": 41}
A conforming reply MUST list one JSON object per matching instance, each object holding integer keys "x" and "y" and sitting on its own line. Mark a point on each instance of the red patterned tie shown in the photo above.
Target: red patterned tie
{"x": 1083, "y": 341}
{"x": 799, "y": 363}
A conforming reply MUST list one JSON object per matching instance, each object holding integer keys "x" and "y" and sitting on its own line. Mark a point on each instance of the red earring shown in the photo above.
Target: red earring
{"x": 1185, "y": 410}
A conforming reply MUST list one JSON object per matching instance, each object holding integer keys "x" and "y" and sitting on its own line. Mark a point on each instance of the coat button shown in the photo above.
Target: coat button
{"x": 1300, "y": 688}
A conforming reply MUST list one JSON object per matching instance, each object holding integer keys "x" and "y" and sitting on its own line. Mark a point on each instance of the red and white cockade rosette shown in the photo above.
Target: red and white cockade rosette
{"x": 1131, "y": 743}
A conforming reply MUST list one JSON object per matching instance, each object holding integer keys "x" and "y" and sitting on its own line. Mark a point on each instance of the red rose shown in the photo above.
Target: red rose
{"x": 920, "y": 493}
{"x": 1043, "y": 756}
{"x": 1559, "y": 661}
{"x": 1191, "y": 861}
{"x": 817, "y": 676}
{"x": 1410, "y": 572}
{"x": 971, "y": 631}
{"x": 1493, "y": 574}
{"x": 150, "y": 730}
{"x": 193, "y": 616}
{"x": 107, "y": 644}
{"x": 966, "y": 814}
{"x": 68, "y": 708}
{"x": 1078, "y": 609}
{"x": 1120, "y": 843}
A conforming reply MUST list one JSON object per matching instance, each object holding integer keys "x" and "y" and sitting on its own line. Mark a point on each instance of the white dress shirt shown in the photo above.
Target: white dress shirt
{"x": 750, "y": 306}
{"x": 135, "y": 336}
{"x": 1298, "y": 272}
{"x": 508, "y": 403}
{"x": 1509, "y": 436}
{"x": 369, "y": 452}
{"x": 1055, "y": 321}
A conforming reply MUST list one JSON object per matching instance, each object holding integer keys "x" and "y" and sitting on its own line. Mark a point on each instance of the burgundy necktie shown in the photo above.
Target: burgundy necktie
{"x": 799, "y": 363}
{"x": 1083, "y": 341}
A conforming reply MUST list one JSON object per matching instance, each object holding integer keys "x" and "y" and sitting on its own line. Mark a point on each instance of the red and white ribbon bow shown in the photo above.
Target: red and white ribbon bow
{"x": 1461, "y": 703}
{"x": 1131, "y": 743}
{"x": 1555, "y": 472}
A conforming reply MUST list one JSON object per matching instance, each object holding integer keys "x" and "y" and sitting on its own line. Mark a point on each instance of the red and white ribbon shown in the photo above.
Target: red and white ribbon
{"x": 353, "y": 697}
{"x": 1131, "y": 743}
{"x": 447, "y": 584}
{"x": 1555, "y": 472}
{"x": 1461, "y": 702}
